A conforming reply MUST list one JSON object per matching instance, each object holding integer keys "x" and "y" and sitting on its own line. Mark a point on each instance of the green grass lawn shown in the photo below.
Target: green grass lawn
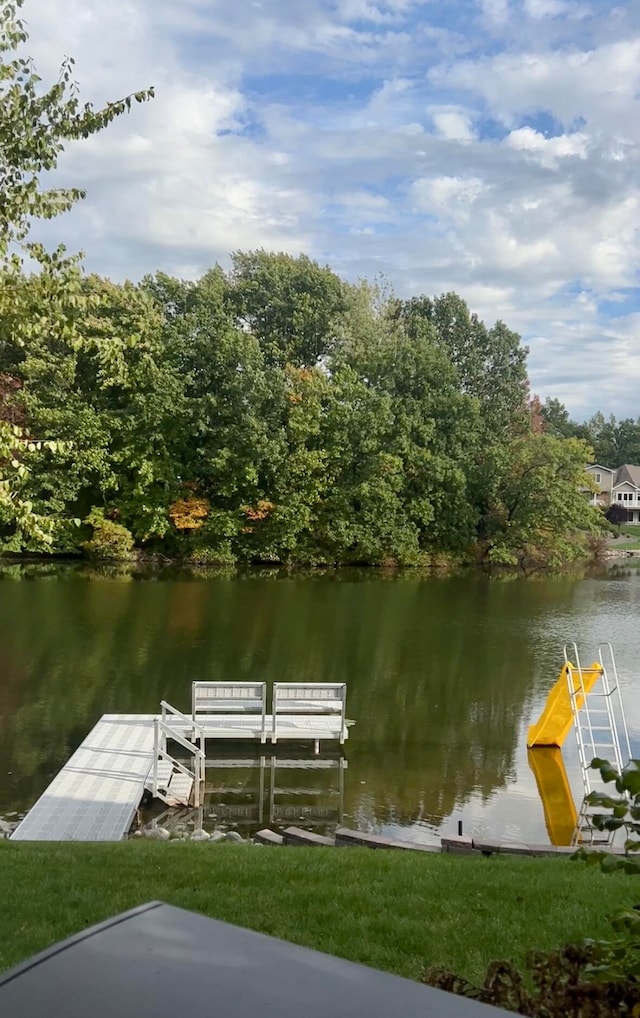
{"x": 628, "y": 530}
{"x": 386, "y": 909}
{"x": 631, "y": 529}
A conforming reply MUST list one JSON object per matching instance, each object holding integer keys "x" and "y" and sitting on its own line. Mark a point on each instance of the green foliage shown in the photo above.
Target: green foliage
{"x": 110, "y": 540}
{"x": 563, "y": 985}
{"x": 614, "y": 442}
{"x": 35, "y": 124}
{"x": 618, "y": 959}
{"x": 22, "y": 526}
{"x": 39, "y": 315}
{"x": 624, "y": 813}
{"x": 291, "y": 305}
{"x": 533, "y": 512}
{"x": 376, "y": 455}
{"x": 490, "y": 363}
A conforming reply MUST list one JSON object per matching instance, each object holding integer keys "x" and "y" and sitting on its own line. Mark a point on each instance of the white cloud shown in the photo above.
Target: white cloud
{"x": 600, "y": 85}
{"x": 451, "y": 198}
{"x": 539, "y": 9}
{"x": 498, "y": 155}
{"x": 548, "y": 150}
{"x": 452, "y": 122}
{"x": 495, "y": 11}
{"x": 544, "y": 8}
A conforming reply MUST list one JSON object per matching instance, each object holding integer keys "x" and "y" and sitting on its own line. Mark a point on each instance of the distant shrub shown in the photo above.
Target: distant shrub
{"x": 220, "y": 554}
{"x": 189, "y": 514}
{"x": 617, "y": 514}
{"x": 110, "y": 541}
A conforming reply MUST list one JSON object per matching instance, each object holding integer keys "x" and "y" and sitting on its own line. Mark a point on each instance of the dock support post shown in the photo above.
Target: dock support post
{"x": 156, "y": 747}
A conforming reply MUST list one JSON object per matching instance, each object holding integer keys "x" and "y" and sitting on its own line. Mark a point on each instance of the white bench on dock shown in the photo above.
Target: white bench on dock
{"x": 230, "y": 710}
{"x": 309, "y": 711}
{"x": 234, "y": 711}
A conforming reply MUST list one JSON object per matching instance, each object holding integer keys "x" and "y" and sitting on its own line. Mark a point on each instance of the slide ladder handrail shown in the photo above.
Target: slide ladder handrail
{"x": 618, "y": 719}
{"x": 579, "y": 707}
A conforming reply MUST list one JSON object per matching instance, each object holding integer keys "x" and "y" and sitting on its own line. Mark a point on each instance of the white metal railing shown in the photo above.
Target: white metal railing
{"x": 615, "y": 705}
{"x": 187, "y": 723}
{"x": 163, "y": 730}
{"x": 601, "y": 731}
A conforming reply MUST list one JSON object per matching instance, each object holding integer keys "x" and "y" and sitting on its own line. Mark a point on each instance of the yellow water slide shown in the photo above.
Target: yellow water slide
{"x": 556, "y": 720}
{"x": 560, "y": 813}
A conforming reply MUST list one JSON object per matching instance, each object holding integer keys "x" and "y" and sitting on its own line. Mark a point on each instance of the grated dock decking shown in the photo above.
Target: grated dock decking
{"x": 95, "y": 795}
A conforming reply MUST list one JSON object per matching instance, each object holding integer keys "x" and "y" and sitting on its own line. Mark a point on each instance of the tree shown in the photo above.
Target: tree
{"x": 535, "y": 509}
{"x": 291, "y": 305}
{"x": 398, "y": 433}
{"x": 35, "y": 125}
{"x": 614, "y": 442}
{"x": 556, "y": 418}
{"x": 490, "y": 362}
{"x": 228, "y": 439}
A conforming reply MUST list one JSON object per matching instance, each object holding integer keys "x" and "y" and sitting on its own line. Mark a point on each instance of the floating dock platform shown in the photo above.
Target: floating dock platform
{"x": 96, "y": 794}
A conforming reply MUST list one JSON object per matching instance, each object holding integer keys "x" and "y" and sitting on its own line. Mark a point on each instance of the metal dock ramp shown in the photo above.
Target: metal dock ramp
{"x": 95, "y": 795}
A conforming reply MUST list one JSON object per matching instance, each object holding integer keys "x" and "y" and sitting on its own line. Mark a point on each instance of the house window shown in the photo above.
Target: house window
{"x": 598, "y": 478}
{"x": 619, "y": 496}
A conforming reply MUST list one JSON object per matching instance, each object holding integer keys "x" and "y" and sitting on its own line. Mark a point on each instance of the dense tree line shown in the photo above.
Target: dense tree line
{"x": 614, "y": 442}
{"x": 269, "y": 412}
{"x": 274, "y": 412}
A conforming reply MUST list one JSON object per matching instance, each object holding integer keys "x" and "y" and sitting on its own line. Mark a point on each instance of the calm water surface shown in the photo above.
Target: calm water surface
{"x": 444, "y": 676}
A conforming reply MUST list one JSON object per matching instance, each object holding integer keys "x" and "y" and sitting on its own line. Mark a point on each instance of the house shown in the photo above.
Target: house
{"x": 620, "y": 486}
{"x": 604, "y": 478}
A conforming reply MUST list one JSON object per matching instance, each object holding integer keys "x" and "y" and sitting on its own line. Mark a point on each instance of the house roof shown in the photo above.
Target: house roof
{"x": 598, "y": 466}
{"x": 629, "y": 474}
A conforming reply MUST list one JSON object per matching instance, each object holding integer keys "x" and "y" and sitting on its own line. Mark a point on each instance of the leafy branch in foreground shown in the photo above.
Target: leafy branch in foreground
{"x": 36, "y": 122}
{"x": 35, "y": 125}
{"x": 624, "y": 813}
{"x": 558, "y": 984}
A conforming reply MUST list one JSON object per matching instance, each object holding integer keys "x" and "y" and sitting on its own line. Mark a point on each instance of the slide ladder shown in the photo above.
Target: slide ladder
{"x": 601, "y": 730}
{"x": 598, "y": 714}
{"x": 589, "y": 701}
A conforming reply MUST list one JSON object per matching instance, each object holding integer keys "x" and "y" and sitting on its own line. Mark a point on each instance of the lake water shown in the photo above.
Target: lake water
{"x": 444, "y": 676}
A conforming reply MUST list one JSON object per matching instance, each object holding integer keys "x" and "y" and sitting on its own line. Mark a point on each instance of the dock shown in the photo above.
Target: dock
{"x": 96, "y": 794}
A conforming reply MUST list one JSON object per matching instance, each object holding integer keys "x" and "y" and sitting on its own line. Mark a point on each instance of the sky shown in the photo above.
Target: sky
{"x": 489, "y": 147}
